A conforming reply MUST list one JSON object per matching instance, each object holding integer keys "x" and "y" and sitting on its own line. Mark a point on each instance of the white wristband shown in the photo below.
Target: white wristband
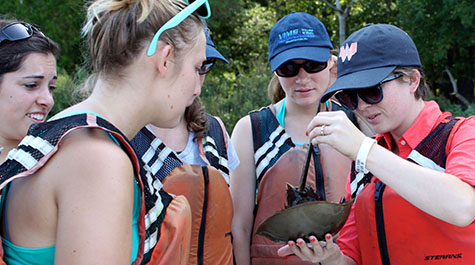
{"x": 360, "y": 162}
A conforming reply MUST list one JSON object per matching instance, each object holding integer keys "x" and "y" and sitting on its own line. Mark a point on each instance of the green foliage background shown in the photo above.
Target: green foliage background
{"x": 442, "y": 30}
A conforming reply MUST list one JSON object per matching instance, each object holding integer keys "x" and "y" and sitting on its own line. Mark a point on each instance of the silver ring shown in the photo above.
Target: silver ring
{"x": 322, "y": 130}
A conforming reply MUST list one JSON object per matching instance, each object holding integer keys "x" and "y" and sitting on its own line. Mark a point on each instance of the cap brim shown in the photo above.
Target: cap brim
{"x": 213, "y": 53}
{"x": 357, "y": 80}
{"x": 319, "y": 54}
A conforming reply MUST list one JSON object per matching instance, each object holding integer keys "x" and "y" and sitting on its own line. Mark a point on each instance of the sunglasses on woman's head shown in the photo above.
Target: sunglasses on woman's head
{"x": 200, "y": 6}
{"x": 207, "y": 66}
{"x": 18, "y": 31}
{"x": 291, "y": 69}
{"x": 370, "y": 95}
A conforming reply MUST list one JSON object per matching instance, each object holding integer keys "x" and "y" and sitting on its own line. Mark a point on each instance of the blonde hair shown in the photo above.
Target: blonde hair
{"x": 275, "y": 92}
{"x": 118, "y": 30}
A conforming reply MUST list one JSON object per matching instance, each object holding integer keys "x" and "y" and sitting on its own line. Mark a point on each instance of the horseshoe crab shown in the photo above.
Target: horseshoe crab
{"x": 306, "y": 213}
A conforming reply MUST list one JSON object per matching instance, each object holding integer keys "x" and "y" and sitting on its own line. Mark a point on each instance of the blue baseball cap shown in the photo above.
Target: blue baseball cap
{"x": 211, "y": 51}
{"x": 298, "y": 36}
{"x": 370, "y": 54}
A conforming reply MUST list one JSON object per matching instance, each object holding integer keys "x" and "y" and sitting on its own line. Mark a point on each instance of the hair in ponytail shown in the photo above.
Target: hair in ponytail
{"x": 118, "y": 30}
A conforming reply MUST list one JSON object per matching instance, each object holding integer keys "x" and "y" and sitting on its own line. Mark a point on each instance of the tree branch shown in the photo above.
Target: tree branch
{"x": 455, "y": 92}
{"x": 332, "y": 6}
{"x": 347, "y": 8}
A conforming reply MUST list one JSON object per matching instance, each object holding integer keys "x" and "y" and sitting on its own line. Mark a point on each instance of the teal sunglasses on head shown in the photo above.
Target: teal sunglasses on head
{"x": 200, "y": 6}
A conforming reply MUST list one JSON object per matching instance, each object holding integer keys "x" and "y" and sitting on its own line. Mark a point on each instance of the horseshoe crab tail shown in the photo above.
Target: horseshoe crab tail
{"x": 303, "y": 178}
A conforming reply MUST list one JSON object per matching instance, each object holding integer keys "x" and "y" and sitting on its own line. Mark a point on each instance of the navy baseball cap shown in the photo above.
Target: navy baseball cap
{"x": 298, "y": 36}
{"x": 370, "y": 54}
{"x": 211, "y": 51}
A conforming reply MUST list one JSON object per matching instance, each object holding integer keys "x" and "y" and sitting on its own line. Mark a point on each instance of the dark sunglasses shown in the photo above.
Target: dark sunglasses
{"x": 291, "y": 69}
{"x": 204, "y": 11}
{"x": 370, "y": 95}
{"x": 207, "y": 66}
{"x": 18, "y": 31}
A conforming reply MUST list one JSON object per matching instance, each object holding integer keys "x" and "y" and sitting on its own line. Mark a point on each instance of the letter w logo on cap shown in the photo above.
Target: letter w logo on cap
{"x": 348, "y": 52}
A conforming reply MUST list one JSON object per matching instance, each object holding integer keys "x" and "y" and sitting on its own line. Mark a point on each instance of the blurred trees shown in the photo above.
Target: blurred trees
{"x": 442, "y": 30}
{"x": 59, "y": 19}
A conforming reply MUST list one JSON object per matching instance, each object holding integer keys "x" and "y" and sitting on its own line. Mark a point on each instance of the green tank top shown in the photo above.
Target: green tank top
{"x": 280, "y": 116}
{"x": 15, "y": 255}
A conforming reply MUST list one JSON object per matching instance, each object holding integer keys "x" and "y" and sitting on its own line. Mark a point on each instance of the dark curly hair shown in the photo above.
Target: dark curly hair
{"x": 196, "y": 119}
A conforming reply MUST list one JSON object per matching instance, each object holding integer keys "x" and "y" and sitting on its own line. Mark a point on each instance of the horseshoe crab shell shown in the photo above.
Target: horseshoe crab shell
{"x": 303, "y": 220}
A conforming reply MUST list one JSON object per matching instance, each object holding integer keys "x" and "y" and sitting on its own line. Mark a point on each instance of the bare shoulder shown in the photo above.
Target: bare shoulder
{"x": 242, "y": 141}
{"x": 89, "y": 157}
{"x": 92, "y": 178}
{"x": 241, "y": 138}
{"x": 242, "y": 128}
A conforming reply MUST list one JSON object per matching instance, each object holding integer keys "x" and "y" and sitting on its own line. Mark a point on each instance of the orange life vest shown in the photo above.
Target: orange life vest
{"x": 206, "y": 189}
{"x": 280, "y": 161}
{"x": 212, "y": 211}
{"x": 392, "y": 230}
{"x": 271, "y": 199}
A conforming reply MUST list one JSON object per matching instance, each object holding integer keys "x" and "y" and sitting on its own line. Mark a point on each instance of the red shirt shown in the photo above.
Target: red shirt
{"x": 460, "y": 163}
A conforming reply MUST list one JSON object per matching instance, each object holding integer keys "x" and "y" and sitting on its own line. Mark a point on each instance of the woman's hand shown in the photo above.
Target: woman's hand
{"x": 335, "y": 129}
{"x": 315, "y": 251}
